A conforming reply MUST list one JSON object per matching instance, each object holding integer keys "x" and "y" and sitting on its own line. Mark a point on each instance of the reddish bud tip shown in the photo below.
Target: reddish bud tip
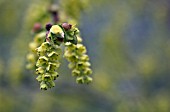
{"x": 37, "y": 27}
{"x": 66, "y": 26}
{"x": 48, "y": 26}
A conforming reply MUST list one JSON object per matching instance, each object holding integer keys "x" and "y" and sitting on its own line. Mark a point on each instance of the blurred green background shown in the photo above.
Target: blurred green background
{"x": 129, "y": 46}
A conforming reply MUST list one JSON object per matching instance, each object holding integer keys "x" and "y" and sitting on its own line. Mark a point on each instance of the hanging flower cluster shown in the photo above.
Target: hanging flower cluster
{"x": 45, "y": 53}
{"x": 47, "y": 64}
{"x": 39, "y": 36}
{"x": 79, "y": 61}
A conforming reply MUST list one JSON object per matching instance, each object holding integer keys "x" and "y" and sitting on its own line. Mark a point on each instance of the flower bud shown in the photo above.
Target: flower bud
{"x": 31, "y": 57}
{"x": 75, "y": 72}
{"x": 50, "y": 84}
{"x": 80, "y": 80}
{"x": 48, "y": 26}
{"x": 81, "y": 48}
{"x": 37, "y": 27}
{"x": 54, "y": 75}
{"x": 43, "y": 86}
{"x": 55, "y": 29}
{"x": 30, "y": 66}
{"x": 71, "y": 56}
{"x": 79, "y": 39}
{"x": 87, "y": 71}
{"x": 84, "y": 58}
{"x": 53, "y": 56}
{"x": 45, "y": 46}
{"x": 32, "y": 46}
{"x": 87, "y": 64}
{"x": 77, "y": 31}
{"x": 52, "y": 66}
{"x": 40, "y": 70}
{"x": 88, "y": 79}
{"x": 71, "y": 65}
{"x": 66, "y": 26}
{"x": 42, "y": 61}
{"x": 47, "y": 76}
{"x": 39, "y": 37}
{"x": 39, "y": 78}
